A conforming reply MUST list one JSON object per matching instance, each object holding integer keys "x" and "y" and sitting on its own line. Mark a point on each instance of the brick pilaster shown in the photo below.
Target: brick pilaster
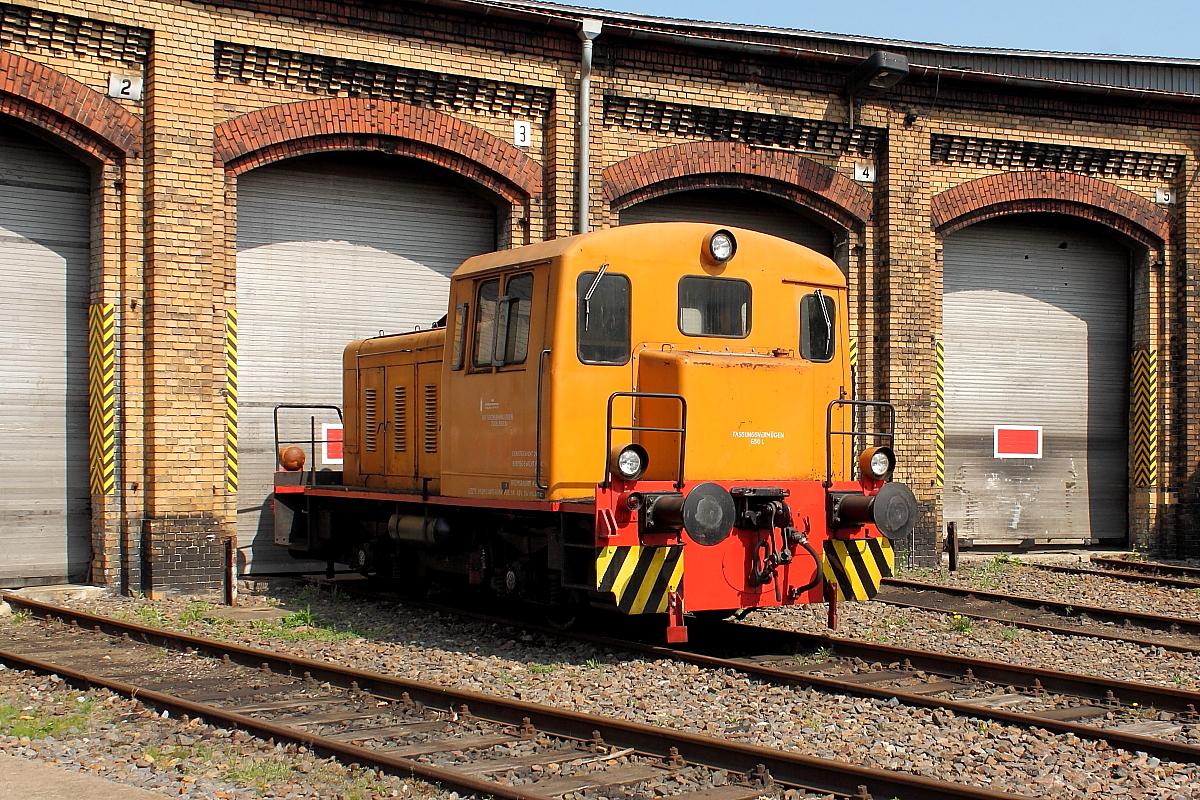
{"x": 184, "y": 456}
{"x": 909, "y": 301}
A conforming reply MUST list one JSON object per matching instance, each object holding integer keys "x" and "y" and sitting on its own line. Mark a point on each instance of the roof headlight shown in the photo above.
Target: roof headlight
{"x": 630, "y": 461}
{"x": 880, "y": 465}
{"x": 877, "y": 462}
{"x": 720, "y": 246}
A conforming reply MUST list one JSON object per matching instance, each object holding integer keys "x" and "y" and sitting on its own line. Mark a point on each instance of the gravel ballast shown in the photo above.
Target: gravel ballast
{"x": 500, "y": 660}
{"x": 942, "y": 633}
{"x": 1008, "y": 575}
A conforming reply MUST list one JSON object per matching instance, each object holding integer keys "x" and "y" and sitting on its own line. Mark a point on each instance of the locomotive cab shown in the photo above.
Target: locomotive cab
{"x": 652, "y": 418}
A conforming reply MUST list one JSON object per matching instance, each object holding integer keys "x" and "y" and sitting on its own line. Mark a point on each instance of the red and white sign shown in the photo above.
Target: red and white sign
{"x": 1018, "y": 441}
{"x": 331, "y": 447}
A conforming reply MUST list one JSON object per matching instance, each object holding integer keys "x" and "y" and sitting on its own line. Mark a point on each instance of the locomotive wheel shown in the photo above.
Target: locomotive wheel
{"x": 562, "y": 618}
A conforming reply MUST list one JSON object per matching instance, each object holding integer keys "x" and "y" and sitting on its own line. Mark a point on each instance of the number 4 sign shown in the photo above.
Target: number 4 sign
{"x": 864, "y": 172}
{"x": 124, "y": 87}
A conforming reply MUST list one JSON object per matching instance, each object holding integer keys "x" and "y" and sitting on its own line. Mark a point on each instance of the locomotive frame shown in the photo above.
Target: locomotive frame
{"x": 473, "y": 449}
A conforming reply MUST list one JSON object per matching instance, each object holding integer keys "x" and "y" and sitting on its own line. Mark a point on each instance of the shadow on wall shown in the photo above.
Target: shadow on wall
{"x": 45, "y": 263}
{"x": 1032, "y": 375}
{"x": 333, "y": 248}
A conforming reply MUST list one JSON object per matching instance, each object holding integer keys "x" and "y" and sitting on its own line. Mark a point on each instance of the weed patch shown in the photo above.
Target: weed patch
{"x": 36, "y": 724}
{"x": 154, "y": 617}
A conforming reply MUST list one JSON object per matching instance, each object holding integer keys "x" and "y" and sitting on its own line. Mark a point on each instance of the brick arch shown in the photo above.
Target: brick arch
{"x": 352, "y": 123}
{"x": 71, "y": 111}
{"x": 1051, "y": 192}
{"x": 702, "y": 165}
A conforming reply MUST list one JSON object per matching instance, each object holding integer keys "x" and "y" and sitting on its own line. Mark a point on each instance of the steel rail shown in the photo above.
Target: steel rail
{"x": 1061, "y": 630}
{"x": 816, "y": 774}
{"x": 1164, "y": 622}
{"x": 1120, "y": 574}
{"x": 1149, "y": 567}
{"x": 1033, "y": 679}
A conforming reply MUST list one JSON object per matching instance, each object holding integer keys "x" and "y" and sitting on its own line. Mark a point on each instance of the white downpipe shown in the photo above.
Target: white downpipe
{"x": 589, "y": 29}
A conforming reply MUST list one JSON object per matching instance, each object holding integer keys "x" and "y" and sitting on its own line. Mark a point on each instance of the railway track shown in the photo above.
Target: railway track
{"x": 1181, "y": 634}
{"x": 1121, "y": 574}
{"x": 1149, "y": 568}
{"x": 469, "y": 742}
{"x": 1132, "y": 716}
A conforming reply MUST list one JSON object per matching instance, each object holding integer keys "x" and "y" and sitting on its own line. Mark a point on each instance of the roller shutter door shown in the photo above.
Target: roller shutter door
{"x": 1035, "y": 318}
{"x": 44, "y": 231}
{"x": 738, "y": 209}
{"x": 330, "y": 250}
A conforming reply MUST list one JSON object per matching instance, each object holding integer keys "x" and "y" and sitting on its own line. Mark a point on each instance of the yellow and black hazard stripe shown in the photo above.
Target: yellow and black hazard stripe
{"x": 939, "y": 413}
{"x": 640, "y": 578}
{"x": 1143, "y": 432}
{"x": 102, "y": 397}
{"x": 231, "y": 402}
{"x": 856, "y": 566}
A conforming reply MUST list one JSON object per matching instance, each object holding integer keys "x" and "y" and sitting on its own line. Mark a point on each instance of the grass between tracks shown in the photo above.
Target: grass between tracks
{"x": 299, "y": 625}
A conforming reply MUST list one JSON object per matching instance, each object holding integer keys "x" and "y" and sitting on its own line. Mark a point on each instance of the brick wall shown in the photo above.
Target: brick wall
{"x": 234, "y": 85}
{"x": 175, "y": 559}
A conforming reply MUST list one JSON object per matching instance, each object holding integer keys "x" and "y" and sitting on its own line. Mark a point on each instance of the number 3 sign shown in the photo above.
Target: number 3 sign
{"x": 124, "y": 87}
{"x": 523, "y": 133}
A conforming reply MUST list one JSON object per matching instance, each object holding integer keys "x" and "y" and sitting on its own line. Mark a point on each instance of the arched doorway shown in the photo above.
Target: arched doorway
{"x": 333, "y": 248}
{"x": 1035, "y": 316}
{"x": 45, "y": 268}
{"x": 737, "y": 208}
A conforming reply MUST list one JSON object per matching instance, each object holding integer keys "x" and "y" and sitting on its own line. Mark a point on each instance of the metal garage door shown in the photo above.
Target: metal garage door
{"x": 332, "y": 249}
{"x": 44, "y": 505}
{"x": 738, "y": 209}
{"x": 1035, "y": 318}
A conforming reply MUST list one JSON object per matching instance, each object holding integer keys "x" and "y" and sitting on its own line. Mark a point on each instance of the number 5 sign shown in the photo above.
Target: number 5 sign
{"x": 124, "y": 87}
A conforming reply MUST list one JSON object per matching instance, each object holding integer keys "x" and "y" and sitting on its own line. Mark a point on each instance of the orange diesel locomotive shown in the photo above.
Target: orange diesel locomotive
{"x": 652, "y": 418}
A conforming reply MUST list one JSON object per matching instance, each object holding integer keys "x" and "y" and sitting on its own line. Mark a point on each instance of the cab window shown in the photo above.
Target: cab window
{"x": 485, "y": 322}
{"x": 519, "y": 292}
{"x": 602, "y": 324}
{"x": 460, "y": 335}
{"x": 818, "y": 322}
{"x": 714, "y": 307}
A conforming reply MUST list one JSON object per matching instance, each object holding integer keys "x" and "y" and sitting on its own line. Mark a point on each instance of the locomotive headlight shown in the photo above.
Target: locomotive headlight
{"x": 720, "y": 246}
{"x": 630, "y": 461}
{"x": 878, "y": 462}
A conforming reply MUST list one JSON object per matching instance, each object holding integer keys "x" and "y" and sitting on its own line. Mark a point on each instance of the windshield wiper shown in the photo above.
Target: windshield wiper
{"x": 828, "y": 322}
{"x": 587, "y": 296}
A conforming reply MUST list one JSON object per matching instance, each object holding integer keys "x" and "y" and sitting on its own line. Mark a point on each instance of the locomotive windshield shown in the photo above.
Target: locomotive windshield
{"x": 516, "y": 340}
{"x": 817, "y": 325}
{"x": 602, "y": 324}
{"x": 714, "y": 307}
{"x": 485, "y": 322}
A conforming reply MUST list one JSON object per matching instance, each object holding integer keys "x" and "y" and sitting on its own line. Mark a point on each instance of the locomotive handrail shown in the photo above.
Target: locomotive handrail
{"x": 313, "y": 441}
{"x": 609, "y": 428}
{"x": 537, "y": 427}
{"x": 830, "y": 432}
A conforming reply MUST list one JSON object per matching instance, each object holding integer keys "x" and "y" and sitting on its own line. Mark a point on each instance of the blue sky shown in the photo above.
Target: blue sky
{"x": 1151, "y": 28}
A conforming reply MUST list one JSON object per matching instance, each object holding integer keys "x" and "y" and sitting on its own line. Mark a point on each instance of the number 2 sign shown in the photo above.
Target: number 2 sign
{"x": 124, "y": 87}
